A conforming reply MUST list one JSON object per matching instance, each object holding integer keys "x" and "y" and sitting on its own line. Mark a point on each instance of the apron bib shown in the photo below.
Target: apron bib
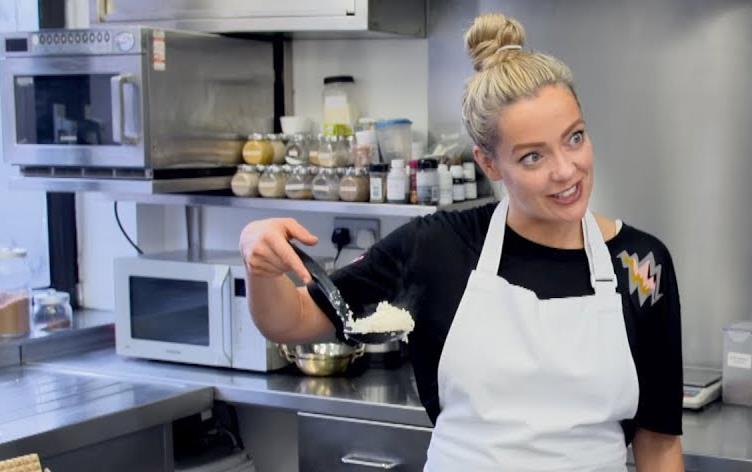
{"x": 534, "y": 385}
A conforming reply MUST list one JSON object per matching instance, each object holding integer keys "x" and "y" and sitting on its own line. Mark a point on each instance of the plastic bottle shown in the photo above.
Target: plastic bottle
{"x": 458, "y": 183}
{"x": 395, "y": 182}
{"x": 445, "y": 185}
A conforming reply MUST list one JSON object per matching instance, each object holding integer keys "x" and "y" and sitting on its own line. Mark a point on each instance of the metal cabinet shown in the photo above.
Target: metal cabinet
{"x": 333, "y": 444}
{"x": 365, "y": 17}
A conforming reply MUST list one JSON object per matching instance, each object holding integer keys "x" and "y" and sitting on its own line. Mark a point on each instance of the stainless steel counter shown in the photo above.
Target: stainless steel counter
{"x": 50, "y": 412}
{"x": 717, "y": 439}
{"x": 376, "y": 394}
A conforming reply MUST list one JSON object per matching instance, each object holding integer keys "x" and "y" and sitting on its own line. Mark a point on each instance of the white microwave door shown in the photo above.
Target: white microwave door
{"x": 175, "y": 311}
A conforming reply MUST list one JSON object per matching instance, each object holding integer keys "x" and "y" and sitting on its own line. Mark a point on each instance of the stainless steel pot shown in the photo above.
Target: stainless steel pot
{"x": 322, "y": 359}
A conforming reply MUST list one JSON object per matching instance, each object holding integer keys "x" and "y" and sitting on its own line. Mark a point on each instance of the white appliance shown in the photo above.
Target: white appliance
{"x": 701, "y": 387}
{"x": 171, "y": 307}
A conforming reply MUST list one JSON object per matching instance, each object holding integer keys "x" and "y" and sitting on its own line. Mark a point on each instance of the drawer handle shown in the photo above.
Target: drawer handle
{"x": 383, "y": 464}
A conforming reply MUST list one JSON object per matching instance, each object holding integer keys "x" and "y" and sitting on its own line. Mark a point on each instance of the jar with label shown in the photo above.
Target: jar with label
{"x": 445, "y": 185}
{"x": 395, "y": 182}
{"x": 296, "y": 152}
{"x": 299, "y": 185}
{"x": 354, "y": 186}
{"x": 258, "y": 150}
{"x": 471, "y": 187}
{"x": 366, "y": 150}
{"x": 278, "y": 147}
{"x": 327, "y": 145}
{"x": 245, "y": 182}
{"x": 51, "y": 312}
{"x": 15, "y": 293}
{"x": 272, "y": 182}
{"x": 458, "y": 183}
{"x": 428, "y": 182}
{"x": 412, "y": 176}
{"x": 326, "y": 185}
{"x": 378, "y": 175}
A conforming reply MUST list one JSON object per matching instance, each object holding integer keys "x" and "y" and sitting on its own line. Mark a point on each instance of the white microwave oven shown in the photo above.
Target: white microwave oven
{"x": 173, "y": 308}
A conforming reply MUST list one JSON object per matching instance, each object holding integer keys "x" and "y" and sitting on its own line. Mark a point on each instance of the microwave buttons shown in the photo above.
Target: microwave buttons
{"x": 125, "y": 41}
{"x": 99, "y": 37}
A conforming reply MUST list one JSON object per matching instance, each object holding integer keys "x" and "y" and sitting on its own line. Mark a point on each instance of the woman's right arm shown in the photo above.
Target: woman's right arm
{"x": 282, "y": 312}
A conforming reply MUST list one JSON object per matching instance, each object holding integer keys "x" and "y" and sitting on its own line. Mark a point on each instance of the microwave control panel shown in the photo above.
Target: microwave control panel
{"x": 73, "y": 42}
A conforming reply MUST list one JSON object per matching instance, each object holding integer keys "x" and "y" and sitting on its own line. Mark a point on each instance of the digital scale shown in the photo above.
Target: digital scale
{"x": 701, "y": 387}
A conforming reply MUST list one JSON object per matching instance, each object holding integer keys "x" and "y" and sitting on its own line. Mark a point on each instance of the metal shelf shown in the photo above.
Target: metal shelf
{"x": 310, "y": 206}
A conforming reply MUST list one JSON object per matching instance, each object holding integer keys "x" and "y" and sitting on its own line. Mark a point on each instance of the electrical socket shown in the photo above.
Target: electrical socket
{"x": 358, "y": 224}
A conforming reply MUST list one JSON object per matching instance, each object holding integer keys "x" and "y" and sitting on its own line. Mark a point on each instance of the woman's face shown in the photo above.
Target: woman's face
{"x": 544, "y": 157}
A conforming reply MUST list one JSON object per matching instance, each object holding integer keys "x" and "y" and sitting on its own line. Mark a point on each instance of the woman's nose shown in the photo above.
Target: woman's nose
{"x": 563, "y": 167}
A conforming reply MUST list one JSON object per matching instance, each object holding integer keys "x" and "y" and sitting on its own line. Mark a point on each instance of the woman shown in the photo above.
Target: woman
{"x": 546, "y": 337}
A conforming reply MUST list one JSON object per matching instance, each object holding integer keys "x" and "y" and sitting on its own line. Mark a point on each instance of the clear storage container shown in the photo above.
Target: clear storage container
{"x": 737, "y": 363}
{"x": 395, "y": 139}
{"x": 15, "y": 293}
{"x": 340, "y": 110}
{"x": 52, "y": 311}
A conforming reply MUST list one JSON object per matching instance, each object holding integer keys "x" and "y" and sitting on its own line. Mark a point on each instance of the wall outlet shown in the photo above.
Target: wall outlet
{"x": 357, "y": 225}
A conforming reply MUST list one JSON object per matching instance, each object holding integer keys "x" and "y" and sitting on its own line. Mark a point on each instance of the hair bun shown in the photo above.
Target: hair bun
{"x": 490, "y": 32}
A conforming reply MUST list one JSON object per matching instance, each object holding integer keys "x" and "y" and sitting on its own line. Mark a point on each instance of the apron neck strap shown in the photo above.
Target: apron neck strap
{"x": 602, "y": 277}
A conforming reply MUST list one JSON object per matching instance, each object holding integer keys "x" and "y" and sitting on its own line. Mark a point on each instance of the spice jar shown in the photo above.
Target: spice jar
{"x": 299, "y": 185}
{"x": 258, "y": 150}
{"x": 326, "y": 185}
{"x": 245, "y": 182}
{"x": 296, "y": 152}
{"x": 15, "y": 292}
{"x": 327, "y": 144}
{"x": 278, "y": 148}
{"x": 313, "y": 150}
{"x": 52, "y": 311}
{"x": 354, "y": 186}
{"x": 366, "y": 151}
{"x": 379, "y": 172}
{"x": 272, "y": 182}
{"x": 428, "y": 182}
{"x": 395, "y": 182}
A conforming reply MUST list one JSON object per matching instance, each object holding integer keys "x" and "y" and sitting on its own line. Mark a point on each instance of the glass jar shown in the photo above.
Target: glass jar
{"x": 379, "y": 172}
{"x": 15, "y": 293}
{"x": 272, "y": 182}
{"x": 52, "y": 311}
{"x": 354, "y": 186}
{"x": 245, "y": 182}
{"x": 313, "y": 149}
{"x": 278, "y": 148}
{"x": 365, "y": 151}
{"x": 339, "y": 111}
{"x": 327, "y": 146}
{"x": 258, "y": 150}
{"x": 296, "y": 152}
{"x": 326, "y": 185}
{"x": 299, "y": 185}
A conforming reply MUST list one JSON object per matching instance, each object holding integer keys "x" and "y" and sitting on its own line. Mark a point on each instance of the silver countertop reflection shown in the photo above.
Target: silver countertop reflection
{"x": 378, "y": 394}
{"x": 49, "y": 412}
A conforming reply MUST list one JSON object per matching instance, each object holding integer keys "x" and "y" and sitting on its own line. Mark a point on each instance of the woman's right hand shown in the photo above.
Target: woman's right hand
{"x": 266, "y": 249}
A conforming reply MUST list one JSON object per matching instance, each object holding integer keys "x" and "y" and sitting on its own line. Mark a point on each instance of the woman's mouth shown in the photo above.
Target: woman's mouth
{"x": 569, "y": 195}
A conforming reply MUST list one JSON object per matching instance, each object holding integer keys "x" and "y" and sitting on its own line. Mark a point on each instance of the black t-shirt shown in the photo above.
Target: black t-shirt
{"x": 425, "y": 264}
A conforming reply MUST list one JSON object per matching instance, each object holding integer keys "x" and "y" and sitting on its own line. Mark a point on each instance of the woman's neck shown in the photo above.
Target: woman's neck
{"x": 561, "y": 235}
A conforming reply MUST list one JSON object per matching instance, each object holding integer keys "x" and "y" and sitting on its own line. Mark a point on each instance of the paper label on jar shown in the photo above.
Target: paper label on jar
{"x": 325, "y": 159}
{"x": 292, "y": 153}
{"x": 739, "y": 360}
{"x": 377, "y": 190}
{"x": 295, "y": 187}
{"x": 348, "y": 188}
{"x": 321, "y": 188}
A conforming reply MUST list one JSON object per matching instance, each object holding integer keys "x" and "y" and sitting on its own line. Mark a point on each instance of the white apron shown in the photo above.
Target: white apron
{"x": 534, "y": 385}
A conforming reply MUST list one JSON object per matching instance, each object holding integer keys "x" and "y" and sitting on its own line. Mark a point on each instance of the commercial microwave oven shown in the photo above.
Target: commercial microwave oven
{"x": 131, "y": 107}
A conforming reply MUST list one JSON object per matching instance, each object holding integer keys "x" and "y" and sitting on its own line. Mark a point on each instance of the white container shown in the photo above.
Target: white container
{"x": 295, "y": 124}
{"x": 737, "y": 363}
{"x": 458, "y": 183}
{"x": 339, "y": 106}
{"x": 471, "y": 187}
{"x": 395, "y": 182}
{"x": 445, "y": 185}
{"x": 395, "y": 139}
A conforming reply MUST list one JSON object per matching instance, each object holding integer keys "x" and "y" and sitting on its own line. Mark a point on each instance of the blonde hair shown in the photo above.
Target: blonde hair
{"x": 503, "y": 74}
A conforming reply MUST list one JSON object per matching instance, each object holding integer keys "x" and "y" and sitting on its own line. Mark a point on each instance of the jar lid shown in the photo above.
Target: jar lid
{"x": 273, "y": 136}
{"x": 379, "y": 167}
{"x": 360, "y": 171}
{"x": 12, "y": 252}
{"x": 286, "y": 168}
{"x": 395, "y": 122}
{"x": 427, "y": 164}
{"x": 51, "y": 297}
{"x": 339, "y": 79}
{"x": 246, "y": 168}
{"x": 312, "y": 170}
{"x": 273, "y": 169}
{"x": 261, "y": 168}
{"x": 298, "y": 137}
{"x": 255, "y": 136}
{"x": 328, "y": 171}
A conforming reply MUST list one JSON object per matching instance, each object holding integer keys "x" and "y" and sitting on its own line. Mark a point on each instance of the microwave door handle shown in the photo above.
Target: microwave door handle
{"x": 225, "y": 304}
{"x": 130, "y": 112}
{"x": 117, "y": 101}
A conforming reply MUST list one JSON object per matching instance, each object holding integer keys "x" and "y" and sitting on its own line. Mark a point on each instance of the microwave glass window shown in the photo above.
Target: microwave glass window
{"x": 169, "y": 310}
{"x": 63, "y": 109}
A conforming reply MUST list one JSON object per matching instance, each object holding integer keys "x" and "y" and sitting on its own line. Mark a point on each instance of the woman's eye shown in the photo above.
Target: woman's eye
{"x": 577, "y": 138}
{"x": 530, "y": 158}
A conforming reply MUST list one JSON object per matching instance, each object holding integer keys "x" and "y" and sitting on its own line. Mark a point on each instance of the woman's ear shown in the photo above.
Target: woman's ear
{"x": 487, "y": 162}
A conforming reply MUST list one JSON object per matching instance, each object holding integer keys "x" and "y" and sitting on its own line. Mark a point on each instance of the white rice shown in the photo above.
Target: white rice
{"x": 386, "y": 318}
